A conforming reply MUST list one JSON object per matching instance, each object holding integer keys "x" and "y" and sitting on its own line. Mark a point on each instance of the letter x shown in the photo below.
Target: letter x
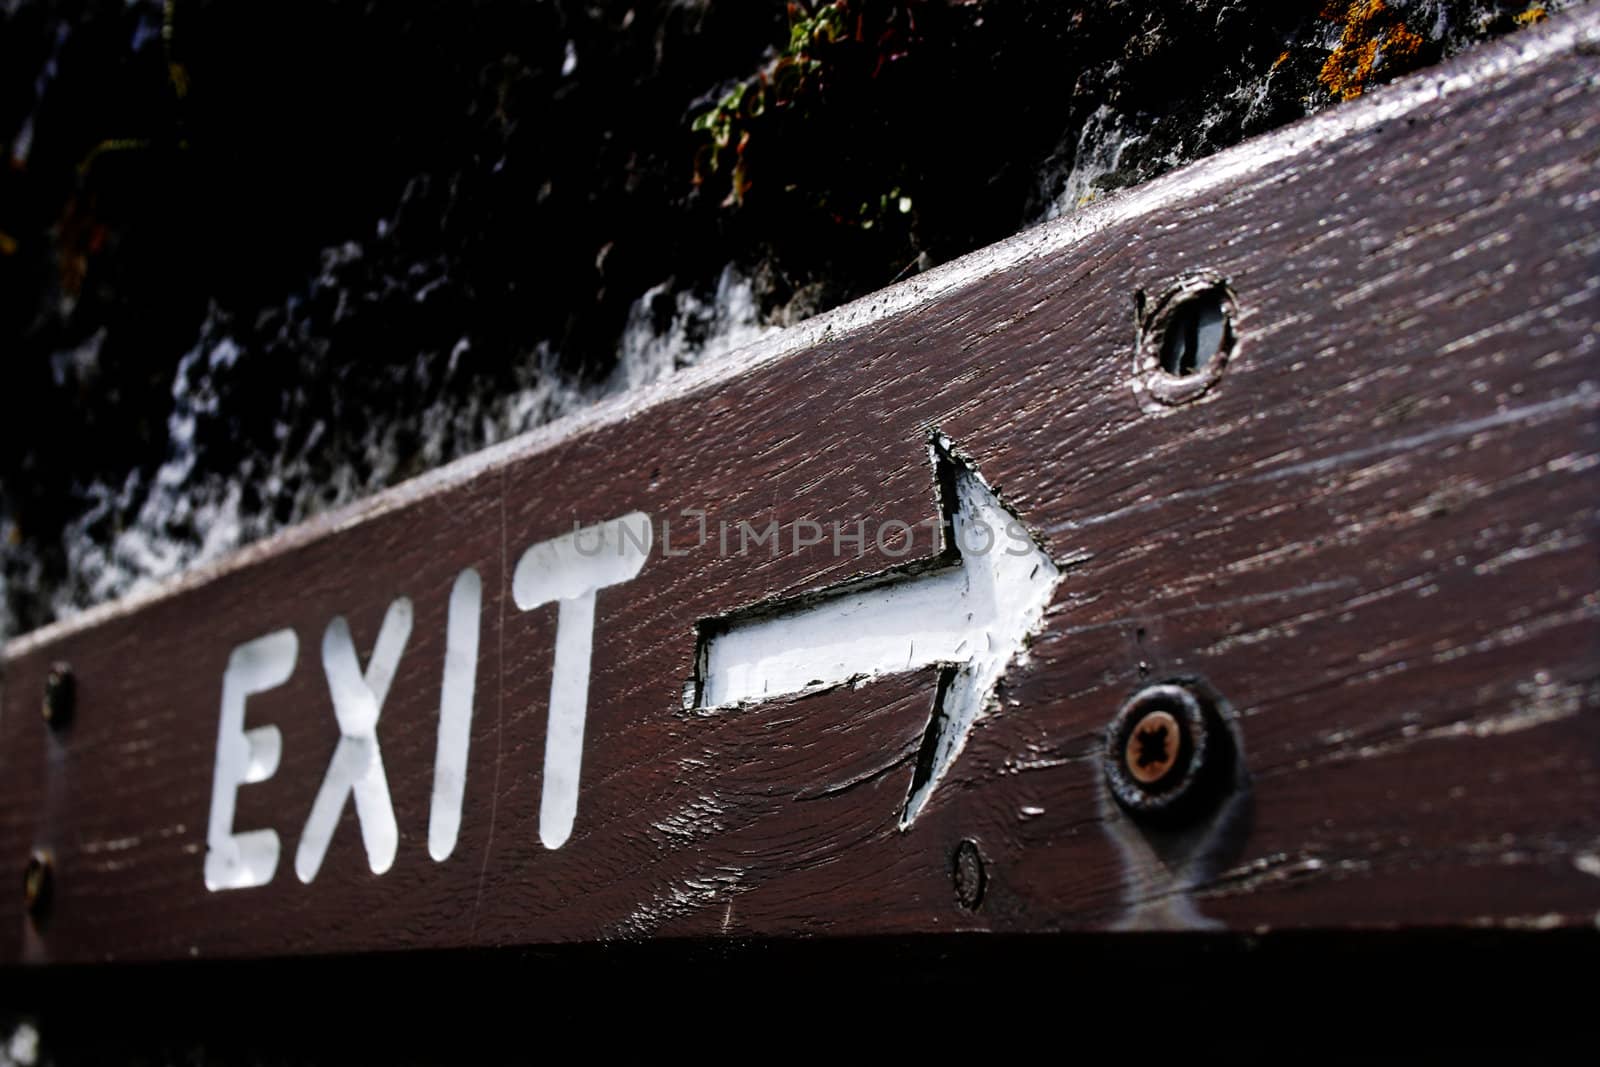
{"x": 357, "y": 764}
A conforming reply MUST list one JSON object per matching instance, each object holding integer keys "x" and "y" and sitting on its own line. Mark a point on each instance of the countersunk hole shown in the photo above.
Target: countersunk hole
{"x": 967, "y": 871}
{"x": 1186, "y": 339}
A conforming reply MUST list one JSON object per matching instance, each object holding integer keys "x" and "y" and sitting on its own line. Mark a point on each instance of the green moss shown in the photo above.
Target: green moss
{"x": 827, "y": 43}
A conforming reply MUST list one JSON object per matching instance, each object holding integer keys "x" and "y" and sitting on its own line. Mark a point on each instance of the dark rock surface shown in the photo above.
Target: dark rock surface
{"x": 257, "y": 260}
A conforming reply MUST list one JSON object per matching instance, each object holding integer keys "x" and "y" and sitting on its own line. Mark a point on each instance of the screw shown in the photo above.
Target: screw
{"x": 1168, "y": 751}
{"x": 60, "y": 695}
{"x": 966, "y": 868}
{"x": 1153, "y": 747}
{"x": 38, "y": 884}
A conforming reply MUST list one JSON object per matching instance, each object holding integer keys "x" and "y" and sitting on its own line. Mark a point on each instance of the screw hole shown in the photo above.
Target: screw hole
{"x": 38, "y": 886}
{"x": 60, "y": 696}
{"x": 966, "y": 869}
{"x": 1186, "y": 340}
{"x": 1168, "y": 753}
{"x": 1195, "y": 334}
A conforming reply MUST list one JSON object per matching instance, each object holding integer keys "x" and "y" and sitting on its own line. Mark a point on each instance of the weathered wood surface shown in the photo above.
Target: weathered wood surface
{"x": 1375, "y": 537}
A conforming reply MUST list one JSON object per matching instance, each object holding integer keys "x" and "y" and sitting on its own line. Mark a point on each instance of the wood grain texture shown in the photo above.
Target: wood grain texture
{"x": 1375, "y": 537}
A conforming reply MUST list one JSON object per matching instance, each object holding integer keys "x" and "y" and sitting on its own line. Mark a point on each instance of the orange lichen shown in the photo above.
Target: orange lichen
{"x": 1372, "y": 30}
{"x": 1281, "y": 60}
{"x": 1536, "y": 13}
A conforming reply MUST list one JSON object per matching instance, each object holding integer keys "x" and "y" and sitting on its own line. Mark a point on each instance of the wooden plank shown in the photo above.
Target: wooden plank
{"x": 1373, "y": 538}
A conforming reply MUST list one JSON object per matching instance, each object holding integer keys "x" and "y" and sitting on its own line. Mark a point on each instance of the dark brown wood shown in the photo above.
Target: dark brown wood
{"x": 1375, "y": 537}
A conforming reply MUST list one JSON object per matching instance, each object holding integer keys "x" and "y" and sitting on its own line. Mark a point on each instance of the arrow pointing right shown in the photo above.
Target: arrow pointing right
{"x": 971, "y": 616}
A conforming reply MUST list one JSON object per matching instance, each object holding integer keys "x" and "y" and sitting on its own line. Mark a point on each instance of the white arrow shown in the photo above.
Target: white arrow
{"x": 972, "y": 615}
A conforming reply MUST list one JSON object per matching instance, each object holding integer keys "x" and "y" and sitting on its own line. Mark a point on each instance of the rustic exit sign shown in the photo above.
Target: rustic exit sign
{"x": 1223, "y": 556}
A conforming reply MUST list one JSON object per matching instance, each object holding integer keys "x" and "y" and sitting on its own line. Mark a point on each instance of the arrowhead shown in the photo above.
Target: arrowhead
{"x": 970, "y": 613}
{"x": 1010, "y": 581}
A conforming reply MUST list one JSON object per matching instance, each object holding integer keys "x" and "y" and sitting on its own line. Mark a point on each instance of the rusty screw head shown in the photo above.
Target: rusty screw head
{"x": 38, "y": 884}
{"x": 1153, "y": 747}
{"x": 1167, "y": 751}
{"x": 60, "y": 696}
{"x": 966, "y": 869}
